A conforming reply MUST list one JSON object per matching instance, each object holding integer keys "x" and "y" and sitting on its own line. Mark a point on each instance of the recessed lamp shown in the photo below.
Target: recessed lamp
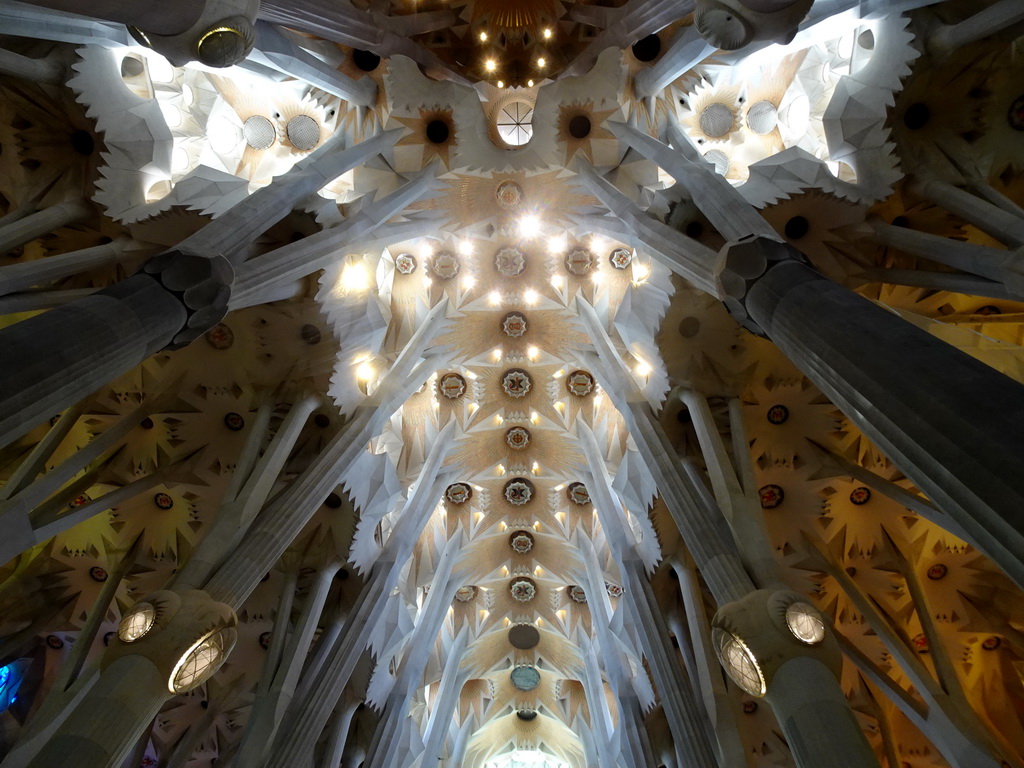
{"x": 497, "y": 353}
{"x": 547, "y": 33}
{"x": 641, "y": 272}
{"x": 354, "y": 277}
{"x": 542, "y": 62}
{"x": 501, "y": 83}
{"x": 364, "y": 372}
{"x": 494, "y": 298}
{"x": 529, "y": 226}
{"x": 556, "y": 244}
{"x": 468, "y": 282}
{"x": 490, "y": 65}
{"x": 532, "y": 353}
{"x": 466, "y": 247}
{"x": 642, "y": 369}
{"x": 557, "y": 281}
{"x": 529, "y": 83}
{"x": 483, "y": 36}
{"x": 426, "y": 250}
{"x": 530, "y": 296}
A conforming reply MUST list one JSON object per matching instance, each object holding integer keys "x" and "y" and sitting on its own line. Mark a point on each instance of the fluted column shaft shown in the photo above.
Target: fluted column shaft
{"x": 998, "y": 17}
{"x": 951, "y": 423}
{"x": 53, "y": 359}
{"x": 159, "y": 18}
{"x": 41, "y": 223}
{"x": 1000, "y": 224}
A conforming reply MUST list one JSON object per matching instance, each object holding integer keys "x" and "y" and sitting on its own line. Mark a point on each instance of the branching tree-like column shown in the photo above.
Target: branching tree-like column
{"x": 752, "y": 637}
{"x": 51, "y": 360}
{"x": 952, "y": 424}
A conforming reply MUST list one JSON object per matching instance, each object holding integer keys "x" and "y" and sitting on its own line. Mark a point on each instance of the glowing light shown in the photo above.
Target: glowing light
{"x": 498, "y": 420}
{"x": 642, "y": 369}
{"x": 534, "y": 417}
{"x": 426, "y": 250}
{"x": 490, "y": 65}
{"x": 641, "y": 272}
{"x": 596, "y": 277}
{"x": 559, "y": 406}
{"x": 483, "y": 36}
{"x": 473, "y": 408}
{"x": 532, "y": 353}
{"x": 365, "y": 372}
{"x": 536, "y": 467}
{"x": 530, "y": 296}
{"x": 557, "y": 281}
{"x": 470, "y": 375}
{"x": 468, "y": 282}
{"x": 501, "y": 83}
{"x": 559, "y": 373}
{"x": 556, "y": 244}
{"x": 529, "y": 83}
{"x": 598, "y": 243}
{"x": 497, "y": 354}
{"x": 547, "y": 33}
{"x": 354, "y": 277}
{"x": 529, "y": 226}
{"x": 494, "y": 298}
{"x": 537, "y": 571}
{"x": 501, "y": 469}
{"x": 466, "y": 247}
{"x": 542, "y": 62}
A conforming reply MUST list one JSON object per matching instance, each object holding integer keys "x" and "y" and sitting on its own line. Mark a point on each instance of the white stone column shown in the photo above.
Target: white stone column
{"x": 998, "y": 17}
{"x": 22, "y": 276}
{"x": 997, "y": 222}
{"x": 42, "y": 223}
{"x": 45, "y": 70}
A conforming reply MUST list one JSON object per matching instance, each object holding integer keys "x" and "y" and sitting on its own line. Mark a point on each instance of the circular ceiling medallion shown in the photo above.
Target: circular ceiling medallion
{"x": 518, "y": 491}
{"x": 860, "y": 496}
{"x": 716, "y": 120}
{"x": 614, "y": 590}
{"x": 525, "y": 678}
{"x": 523, "y": 589}
{"x": 234, "y": 421}
{"x": 405, "y": 263}
{"x": 991, "y": 643}
{"x": 54, "y": 642}
{"x": 938, "y": 571}
{"x": 521, "y": 542}
{"x": 509, "y": 194}
{"x": 458, "y": 493}
{"x": 163, "y": 501}
{"x": 311, "y": 334}
{"x": 510, "y": 262}
{"x": 516, "y": 383}
{"x": 579, "y": 383}
{"x": 771, "y": 496}
{"x": 445, "y": 265}
{"x": 514, "y": 325}
{"x": 578, "y": 493}
{"x": 762, "y": 118}
{"x": 517, "y": 438}
{"x": 465, "y": 594}
{"x": 579, "y": 261}
{"x": 1015, "y": 116}
{"x": 526, "y": 715}
{"x": 98, "y": 574}
{"x": 621, "y": 258}
{"x": 452, "y": 386}
{"x": 303, "y": 132}
{"x": 778, "y": 414}
{"x": 577, "y": 593}
{"x": 920, "y": 642}
{"x": 220, "y": 336}
{"x": 523, "y": 636}
{"x": 259, "y": 132}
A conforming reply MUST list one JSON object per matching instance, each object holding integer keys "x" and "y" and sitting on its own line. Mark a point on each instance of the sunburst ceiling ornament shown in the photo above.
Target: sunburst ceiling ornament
{"x": 452, "y": 386}
{"x": 518, "y": 491}
{"x": 445, "y": 265}
{"x": 458, "y": 493}
{"x": 433, "y": 130}
{"x": 579, "y": 383}
{"x": 517, "y": 438}
{"x": 514, "y": 325}
{"x": 579, "y": 261}
{"x": 510, "y": 262}
{"x": 516, "y": 383}
{"x": 523, "y": 589}
{"x": 579, "y": 125}
{"x": 465, "y": 594}
{"x": 577, "y": 593}
{"x": 578, "y": 494}
{"x": 405, "y": 263}
{"x": 509, "y": 195}
{"x": 521, "y": 542}
{"x": 621, "y": 258}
